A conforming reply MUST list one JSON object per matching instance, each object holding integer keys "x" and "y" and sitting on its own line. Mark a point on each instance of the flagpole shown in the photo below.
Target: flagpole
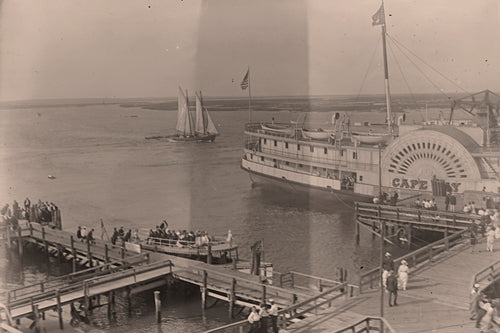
{"x": 249, "y": 97}
{"x": 386, "y": 75}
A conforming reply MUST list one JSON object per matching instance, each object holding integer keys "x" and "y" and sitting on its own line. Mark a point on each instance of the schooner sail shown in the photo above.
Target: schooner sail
{"x": 199, "y": 129}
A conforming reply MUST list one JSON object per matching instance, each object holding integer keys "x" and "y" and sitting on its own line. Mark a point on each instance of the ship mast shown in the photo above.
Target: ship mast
{"x": 379, "y": 19}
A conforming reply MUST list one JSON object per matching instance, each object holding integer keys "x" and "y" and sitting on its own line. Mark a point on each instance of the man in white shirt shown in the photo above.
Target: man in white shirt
{"x": 254, "y": 319}
{"x": 273, "y": 314}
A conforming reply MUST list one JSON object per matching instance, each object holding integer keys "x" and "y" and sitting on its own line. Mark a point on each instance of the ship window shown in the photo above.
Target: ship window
{"x": 312, "y": 149}
{"x": 275, "y": 143}
{"x": 360, "y": 178}
{"x": 265, "y": 140}
{"x": 287, "y": 163}
{"x": 262, "y": 158}
{"x": 326, "y": 150}
{"x": 342, "y": 152}
{"x": 286, "y": 145}
{"x": 354, "y": 155}
{"x": 298, "y": 147}
{"x": 300, "y": 165}
{"x": 251, "y": 156}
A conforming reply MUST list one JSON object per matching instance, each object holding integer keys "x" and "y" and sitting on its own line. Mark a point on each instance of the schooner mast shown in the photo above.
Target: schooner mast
{"x": 379, "y": 19}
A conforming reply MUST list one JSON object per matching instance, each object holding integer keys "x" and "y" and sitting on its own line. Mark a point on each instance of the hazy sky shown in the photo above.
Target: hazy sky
{"x": 133, "y": 48}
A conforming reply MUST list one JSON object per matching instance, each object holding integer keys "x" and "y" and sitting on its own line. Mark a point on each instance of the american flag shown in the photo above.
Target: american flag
{"x": 379, "y": 17}
{"x": 244, "y": 82}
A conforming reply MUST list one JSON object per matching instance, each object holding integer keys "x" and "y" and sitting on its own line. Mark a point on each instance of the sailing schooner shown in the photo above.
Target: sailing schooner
{"x": 199, "y": 129}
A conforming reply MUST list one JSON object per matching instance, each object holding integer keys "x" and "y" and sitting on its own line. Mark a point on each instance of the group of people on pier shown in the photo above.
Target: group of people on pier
{"x": 121, "y": 235}
{"x": 393, "y": 281}
{"x": 178, "y": 237}
{"x": 40, "y": 212}
{"x": 429, "y": 204}
{"x": 263, "y": 318}
{"x": 85, "y": 236}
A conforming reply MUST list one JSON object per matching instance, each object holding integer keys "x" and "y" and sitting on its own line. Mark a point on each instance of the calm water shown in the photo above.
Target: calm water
{"x": 105, "y": 169}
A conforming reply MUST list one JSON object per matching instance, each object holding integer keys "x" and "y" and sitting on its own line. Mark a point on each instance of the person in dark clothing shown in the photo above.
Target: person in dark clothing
{"x": 114, "y": 237}
{"x": 121, "y": 232}
{"x": 447, "y": 201}
{"x": 79, "y": 232}
{"x": 127, "y": 235}
{"x": 90, "y": 237}
{"x": 27, "y": 204}
{"x": 392, "y": 287}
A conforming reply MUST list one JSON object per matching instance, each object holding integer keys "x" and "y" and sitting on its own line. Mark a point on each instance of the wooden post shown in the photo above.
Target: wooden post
{"x": 204, "y": 291}
{"x": 73, "y": 252}
{"x": 59, "y": 309}
{"x": 357, "y": 233}
{"x": 19, "y": 242}
{"x": 264, "y": 293}
{"x": 209, "y": 255}
{"x": 111, "y": 303}
{"x": 129, "y": 302}
{"x": 31, "y": 229}
{"x": 446, "y": 240}
{"x": 106, "y": 255}
{"x": 157, "y": 306}
{"x": 8, "y": 236}
{"x": 409, "y": 233}
{"x": 122, "y": 253}
{"x": 232, "y": 298}
{"x": 86, "y": 298}
{"x": 292, "y": 279}
{"x": 46, "y": 245}
{"x": 373, "y": 228}
{"x": 89, "y": 254}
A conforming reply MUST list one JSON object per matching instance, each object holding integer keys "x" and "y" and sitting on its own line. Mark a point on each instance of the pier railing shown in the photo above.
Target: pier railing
{"x": 369, "y": 324}
{"x": 366, "y": 212}
{"x": 182, "y": 242}
{"x": 61, "y": 281}
{"x": 297, "y": 310}
{"x": 84, "y": 285}
{"x": 427, "y": 253}
{"x": 488, "y": 274}
{"x": 303, "y": 281}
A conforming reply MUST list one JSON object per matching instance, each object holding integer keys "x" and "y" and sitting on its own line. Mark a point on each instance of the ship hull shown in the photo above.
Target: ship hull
{"x": 180, "y": 138}
{"x": 289, "y": 183}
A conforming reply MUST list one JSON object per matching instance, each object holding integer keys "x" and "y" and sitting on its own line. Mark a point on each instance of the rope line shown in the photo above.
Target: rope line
{"x": 368, "y": 69}
{"x": 430, "y": 66}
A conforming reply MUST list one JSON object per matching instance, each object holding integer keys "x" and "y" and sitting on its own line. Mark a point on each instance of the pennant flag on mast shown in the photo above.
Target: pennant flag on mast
{"x": 379, "y": 17}
{"x": 244, "y": 82}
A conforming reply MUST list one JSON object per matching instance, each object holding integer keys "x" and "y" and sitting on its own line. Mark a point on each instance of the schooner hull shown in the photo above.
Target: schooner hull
{"x": 181, "y": 138}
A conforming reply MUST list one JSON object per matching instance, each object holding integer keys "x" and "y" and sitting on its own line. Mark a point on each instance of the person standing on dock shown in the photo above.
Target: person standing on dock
{"x": 387, "y": 266}
{"x": 27, "y": 204}
{"x": 403, "y": 274}
{"x": 490, "y": 239}
{"x": 114, "y": 237}
{"x": 273, "y": 314}
{"x": 264, "y": 317}
{"x": 84, "y": 233}
{"x": 79, "y": 232}
{"x": 474, "y": 301}
{"x": 254, "y": 320}
{"x": 453, "y": 202}
{"x": 392, "y": 286}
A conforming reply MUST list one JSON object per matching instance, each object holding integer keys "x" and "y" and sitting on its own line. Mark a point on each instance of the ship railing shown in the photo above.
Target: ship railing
{"x": 415, "y": 259}
{"x": 335, "y": 162}
{"x": 401, "y": 214}
{"x": 182, "y": 242}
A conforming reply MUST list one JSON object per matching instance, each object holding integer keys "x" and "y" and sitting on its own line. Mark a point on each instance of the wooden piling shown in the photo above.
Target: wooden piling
{"x": 73, "y": 252}
{"x": 129, "y": 302}
{"x": 209, "y": 256}
{"x": 8, "y": 236}
{"x": 263, "y": 296}
{"x": 232, "y": 298}
{"x": 157, "y": 306}
{"x": 86, "y": 298}
{"x": 19, "y": 242}
{"x": 204, "y": 291}
{"x": 46, "y": 245}
{"x": 59, "y": 309}
{"x": 89, "y": 254}
{"x": 111, "y": 303}
{"x": 357, "y": 233}
{"x": 106, "y": 254}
